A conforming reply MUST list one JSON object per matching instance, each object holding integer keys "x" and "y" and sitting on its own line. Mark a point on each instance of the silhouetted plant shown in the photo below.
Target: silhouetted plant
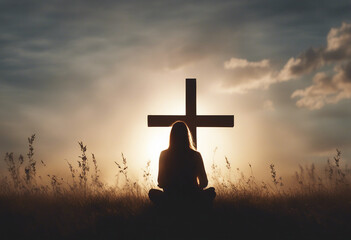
{"x": 123, "y": 169}
{"x": 277, "y": 181}
{"x": 56, "y": 183}
{"x": 13, "y": 168}
{"x": 149, "y": 183}
{"x": 73, "y": 172}
{"x": 340, "y": 178}
{"x": 97, "y": 184}
{"x": 216, "y": 173}
{"x": 84, "y": 168}
{"x": 30, "y": 169}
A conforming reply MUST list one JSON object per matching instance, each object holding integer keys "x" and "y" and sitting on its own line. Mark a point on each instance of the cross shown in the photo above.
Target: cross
{"x": 190, "y": 117}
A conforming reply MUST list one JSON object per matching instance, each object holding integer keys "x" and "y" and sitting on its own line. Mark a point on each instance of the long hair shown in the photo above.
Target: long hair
{"x": 180, "y": 137}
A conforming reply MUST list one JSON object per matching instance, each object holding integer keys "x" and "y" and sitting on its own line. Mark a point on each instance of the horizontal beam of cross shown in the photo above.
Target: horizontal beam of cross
{"x": 199, "y": 120}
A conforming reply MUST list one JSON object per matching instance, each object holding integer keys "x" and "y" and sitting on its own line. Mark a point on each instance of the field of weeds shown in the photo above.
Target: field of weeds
{"x": 316, "y": 206}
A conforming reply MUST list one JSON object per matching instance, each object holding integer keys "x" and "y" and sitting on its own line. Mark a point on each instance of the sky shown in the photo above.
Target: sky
{"x": 92, "y": 71}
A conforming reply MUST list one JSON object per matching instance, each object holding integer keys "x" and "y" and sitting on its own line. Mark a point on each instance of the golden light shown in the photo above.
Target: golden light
{"x": 158, "y": 140}
{"x": 170, "y": 100}
{"x": 158, "y": 137}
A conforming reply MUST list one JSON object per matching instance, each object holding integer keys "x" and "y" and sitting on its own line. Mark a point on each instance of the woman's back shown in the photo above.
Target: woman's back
{"x": 180, "y": 170}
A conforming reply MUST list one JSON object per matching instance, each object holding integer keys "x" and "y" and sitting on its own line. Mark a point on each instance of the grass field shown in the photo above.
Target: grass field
{"x": 316, "y": 206}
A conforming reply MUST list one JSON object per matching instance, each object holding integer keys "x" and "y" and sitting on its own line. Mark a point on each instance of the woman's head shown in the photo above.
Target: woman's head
{"x": 180, "y": 136}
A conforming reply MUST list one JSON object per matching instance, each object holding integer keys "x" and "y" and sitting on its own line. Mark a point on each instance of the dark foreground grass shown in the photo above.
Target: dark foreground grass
{"x": 130, "y": 217}
{"x": 317, "y": 205}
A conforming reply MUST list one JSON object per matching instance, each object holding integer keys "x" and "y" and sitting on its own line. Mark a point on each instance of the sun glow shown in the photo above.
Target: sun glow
{"x": 158, "y": 141}
{"x": 153, "y": 140}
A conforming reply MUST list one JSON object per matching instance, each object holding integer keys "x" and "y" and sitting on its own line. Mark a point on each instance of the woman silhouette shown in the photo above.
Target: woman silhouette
{"x": 181, "y": 173}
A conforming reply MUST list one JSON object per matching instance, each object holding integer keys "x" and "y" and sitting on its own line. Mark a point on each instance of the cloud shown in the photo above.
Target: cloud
{"x": 338, "y": 49}
{"x": 308, "y": 61}
{"x": 243, "y": 63}
{"x": 324, "y": 90}
{"x": 248, "y": 75}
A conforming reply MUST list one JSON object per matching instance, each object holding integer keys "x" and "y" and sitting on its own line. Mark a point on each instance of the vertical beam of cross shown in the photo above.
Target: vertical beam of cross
{"x": 190, "y": 106}
{"x": 191, "y": 118}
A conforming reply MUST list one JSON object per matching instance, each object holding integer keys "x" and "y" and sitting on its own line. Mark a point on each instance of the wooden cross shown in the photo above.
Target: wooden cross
{"x": 190, "y": 117}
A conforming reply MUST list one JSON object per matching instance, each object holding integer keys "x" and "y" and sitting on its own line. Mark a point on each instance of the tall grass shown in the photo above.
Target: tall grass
{"x": 21, "y": 178}
{"x": 315, "y": 202}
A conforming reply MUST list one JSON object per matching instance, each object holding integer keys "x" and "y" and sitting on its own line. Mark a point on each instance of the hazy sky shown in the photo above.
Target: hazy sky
{"x": 93, "y": 70}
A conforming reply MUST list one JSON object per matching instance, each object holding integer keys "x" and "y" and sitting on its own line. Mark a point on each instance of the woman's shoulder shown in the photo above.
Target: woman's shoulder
{"x": 195, "y": 153}
{"x": 164, "y": 152}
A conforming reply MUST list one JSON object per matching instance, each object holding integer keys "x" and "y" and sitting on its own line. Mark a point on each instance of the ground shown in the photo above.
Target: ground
{"x": 131, "y": 217}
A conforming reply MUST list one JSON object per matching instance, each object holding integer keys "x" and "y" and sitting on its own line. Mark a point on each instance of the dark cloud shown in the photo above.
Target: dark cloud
{"x": 326, "y": 89}
{"x": 308, "y": 61}
{"x": 338, "y": 49}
